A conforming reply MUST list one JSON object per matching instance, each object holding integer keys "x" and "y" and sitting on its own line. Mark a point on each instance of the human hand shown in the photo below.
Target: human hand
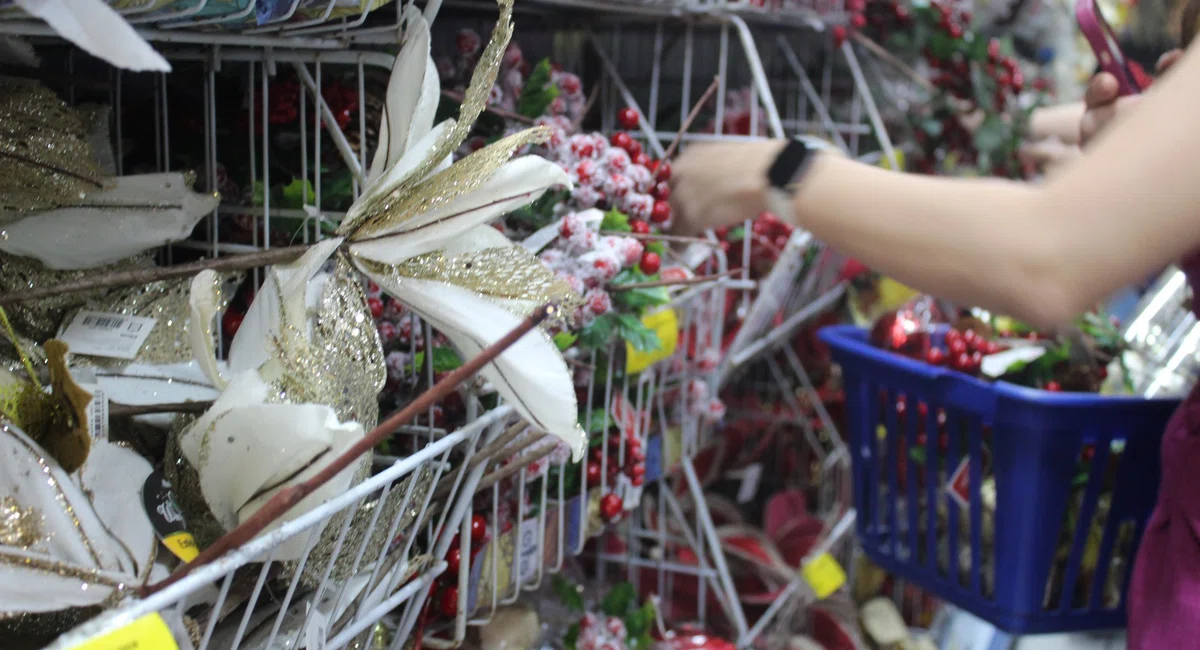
{"x": 1102, "y": 101}
{"x": 718, "y": 184}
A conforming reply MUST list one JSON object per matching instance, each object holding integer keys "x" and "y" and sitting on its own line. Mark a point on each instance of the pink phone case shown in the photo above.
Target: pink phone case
{"x": 1104, "y": 43}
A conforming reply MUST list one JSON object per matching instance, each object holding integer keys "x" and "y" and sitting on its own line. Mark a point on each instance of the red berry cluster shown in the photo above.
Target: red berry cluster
{"x": 445, "y": 589}
{"x": 768, "y": 236}
{"x": 342, "y": 101}
{"x": 598, "y": 465}
{"x": 283, "y": 103}
{"x": 879, "y": 15}
{"x": 964, "y": 351}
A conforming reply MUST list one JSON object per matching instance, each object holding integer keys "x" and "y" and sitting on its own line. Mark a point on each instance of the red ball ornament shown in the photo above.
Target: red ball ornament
{"x": 661, "y": 212}
{"x": 478, "y": 529}
{"x": 650, "y": 263}
{"x": 662, "y": 191}
{"x": 621, "y": 140}
{"x": 639, "y": 227}
{"x": 447, "y": 602}
{"x": 593, "y": 474}
{"x": 634, "y": 149}
{"x": 628, "y": 118}
{"x": 641, "y": 159}
{"x": 1054, "y": 387}
{"x": 858, "y": 21}
{"x": 610, "y": 507}
{"x": 453, "y": 561}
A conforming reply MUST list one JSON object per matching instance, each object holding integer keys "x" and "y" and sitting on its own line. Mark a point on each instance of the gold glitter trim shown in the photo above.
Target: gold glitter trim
{"x": 461, "y": 178}
{"x": 19, "y": 527}
{"x": 474, "y": 101}
{"x": 60, "y": 569}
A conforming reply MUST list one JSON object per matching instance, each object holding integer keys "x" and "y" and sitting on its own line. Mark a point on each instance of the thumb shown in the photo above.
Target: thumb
{"x": 1103, "y": 89}
{"x": 1167, "y": 60}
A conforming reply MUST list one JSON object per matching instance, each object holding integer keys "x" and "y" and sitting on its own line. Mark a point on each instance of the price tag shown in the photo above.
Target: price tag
{"x": 167, "y": 519}
{"x": 107, "y": 335}
{"x": 630, "y": 495}
{"x": 149, "y": 632}
{"x": 959, "y": 486}
{"x": 664, "y": 323}
{"x": 528, "y": 557}
{"x": 750, "y": 479}
{"x": 824, "y": 575}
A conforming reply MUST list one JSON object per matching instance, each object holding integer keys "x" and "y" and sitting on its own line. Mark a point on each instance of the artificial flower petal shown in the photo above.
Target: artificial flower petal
{"x": 55, "y": 552}
{"x": 384, "y": 191}
{"x": 515, "y": 184}
{"x": 412, "y": 96}
{"x": 531, "y": 374}
{"x": 100, "y": 31}
{"x": 443, "y": 188}
{"x": 244, "y": 389}
{"x": 280, "y": 301}
{"x": 136, "y": 213}
{"x": 205, "y": 302}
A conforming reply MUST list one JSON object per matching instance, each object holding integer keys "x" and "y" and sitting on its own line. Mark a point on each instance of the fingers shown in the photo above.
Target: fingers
{"x": 1102, "y": 89}
{"x": 1167, "y": 60}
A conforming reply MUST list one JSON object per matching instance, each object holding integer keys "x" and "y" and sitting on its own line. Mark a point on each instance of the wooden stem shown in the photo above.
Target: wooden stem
{"x": 132, "y": 277}
{"x": 691, "y": 117}
{"x": 652, "y": 237}
{"x": 127, "y": 410}
{"x": 288, "y": 497}
{"x": 700, "y": 279}
{"x": 881, "y": 52}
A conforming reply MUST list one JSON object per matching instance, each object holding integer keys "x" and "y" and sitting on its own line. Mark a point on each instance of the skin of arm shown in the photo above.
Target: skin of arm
{"x": 1042, "y": 253}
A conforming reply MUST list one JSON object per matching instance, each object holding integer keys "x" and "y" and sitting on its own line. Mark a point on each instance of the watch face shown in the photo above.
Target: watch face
{"x": 788, "y": 163}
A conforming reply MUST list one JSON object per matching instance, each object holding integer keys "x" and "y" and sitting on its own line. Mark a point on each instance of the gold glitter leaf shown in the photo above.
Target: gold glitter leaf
{"x": 68, "y": 437}
{"x": 458, "y": 180}
{"x": 474, "y": 101}
{"x": 46, "y": 160}
{"x": 19, "y": 527}
{"x": 510, "y": 273}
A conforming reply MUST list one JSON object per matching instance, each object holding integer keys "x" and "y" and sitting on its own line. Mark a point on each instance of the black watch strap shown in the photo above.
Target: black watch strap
{"x": 789, "y": 164}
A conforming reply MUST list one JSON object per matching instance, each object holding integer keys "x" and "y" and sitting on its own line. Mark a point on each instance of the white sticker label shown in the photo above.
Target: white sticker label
{"x": 107, "y": 335}
{"x": 630, "y": 495}
{"x": 530, "y": 559}
{"x": 750, "y": 479}
{"x": 97, "y": 413}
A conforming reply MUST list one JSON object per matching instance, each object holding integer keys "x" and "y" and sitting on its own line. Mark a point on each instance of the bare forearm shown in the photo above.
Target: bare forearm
{"x": 974, "y": 241}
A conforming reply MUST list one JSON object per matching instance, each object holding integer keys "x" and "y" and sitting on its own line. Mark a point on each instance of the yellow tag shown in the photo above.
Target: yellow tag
{"x": 149, "y": 632}
{"x": 886, "y": 162}
{"x": 183, "y": 545}
{"x": 672, "y": 448}
{"x": 824, "y": 575}
{"x": 666, "y": 325}
{"x": 881, "y": 432}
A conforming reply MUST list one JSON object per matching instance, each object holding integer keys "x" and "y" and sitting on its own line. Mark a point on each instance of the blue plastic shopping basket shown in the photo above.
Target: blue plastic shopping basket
{"x": 1021, "y": 506}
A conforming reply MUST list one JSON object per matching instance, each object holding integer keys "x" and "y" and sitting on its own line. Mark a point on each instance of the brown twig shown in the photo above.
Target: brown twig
{"x": 700, "y": 279}
{"x": 127, "y": 410}
{"x": 288, "y": 497}
{"x": 691, "y": 117}
{"x": 587, "y": 108}
{"x": 881, "y": 52}
{"x": 499, "y": 112}
{"x": 653, "y": 237}
{"x": 158, "y": 273}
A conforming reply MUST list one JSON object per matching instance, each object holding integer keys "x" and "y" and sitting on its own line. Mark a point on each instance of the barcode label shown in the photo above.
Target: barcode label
{"x": 107, "y": 335}
{"x": 97, "y": 412}
{"x": 103, "y": 322}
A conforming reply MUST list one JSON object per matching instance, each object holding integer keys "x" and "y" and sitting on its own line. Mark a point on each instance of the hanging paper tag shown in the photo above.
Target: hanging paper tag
{"x": 750, "y": 478}
{"x": 107, "y": 335}
{"x": 529, "y": 557}
{"x": 630, "y": 495}
{"x": 165, "y": 516}
{"x": 149, "y": 632}
{"x": 959, "y": 485}
{"x": 824, "y": 575}
{"x": 665, "y": 324}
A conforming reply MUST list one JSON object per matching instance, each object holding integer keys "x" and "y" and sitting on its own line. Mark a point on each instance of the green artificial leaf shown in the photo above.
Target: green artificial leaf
{"x": 736, "y": 234}
{"x": 640, "y": 622}
{"x": 616, "y": 221}
{"x": 656, "y": 247}
{"x": 638, "y": 299}
{"x": 258, "y": 196}
{"x": 917, "y": 455}
{"x": 538, "y": 92}
{"x": 642, "y": 338}
{"x": 295, "y": 193}
{"x": 541, "y": 212}
{"x": 445, "y": 359}
{"x": 977, "y": 50}
{"x": 619, "y": 600}
{"x": 571, "y": 638}
{"x": 565, "y": 340}
{"x": 568, "y": 593}
{"x": 598, "y": 332}
{"x": 942, "y": 45}
{"x": 593, "y": 422}
{"x": 991, "y": 135}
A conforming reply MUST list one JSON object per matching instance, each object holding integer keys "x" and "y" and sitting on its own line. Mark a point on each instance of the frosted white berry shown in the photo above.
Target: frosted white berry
{"x": 617, "y": 159}
{"x": 598, "y": 301}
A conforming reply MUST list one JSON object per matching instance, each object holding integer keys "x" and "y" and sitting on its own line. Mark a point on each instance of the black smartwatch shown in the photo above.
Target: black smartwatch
{"x": 787, "y": 171}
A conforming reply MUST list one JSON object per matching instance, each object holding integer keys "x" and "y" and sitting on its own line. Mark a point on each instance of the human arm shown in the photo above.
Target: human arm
{"x": 1043, "y": 253}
